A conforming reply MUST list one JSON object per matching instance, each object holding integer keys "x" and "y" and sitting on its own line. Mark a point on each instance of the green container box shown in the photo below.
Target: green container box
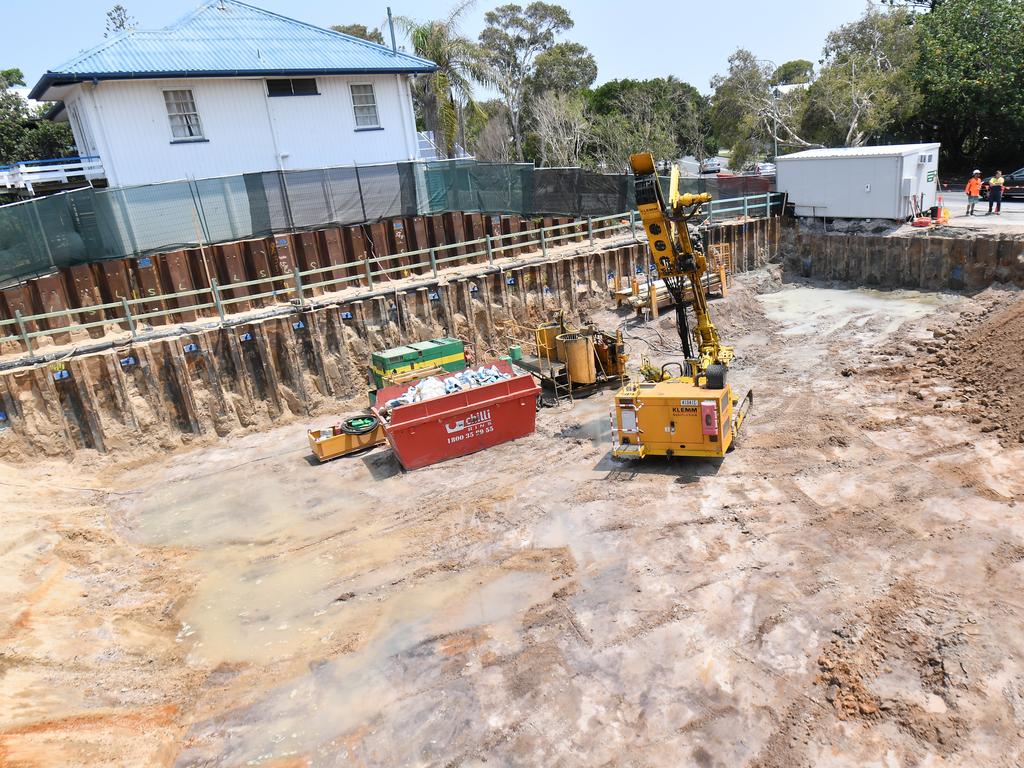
{"x": 446, "y": 352}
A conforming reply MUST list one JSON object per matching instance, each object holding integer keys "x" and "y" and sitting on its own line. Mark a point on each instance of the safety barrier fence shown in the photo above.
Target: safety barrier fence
{"x": 221, "y": 300}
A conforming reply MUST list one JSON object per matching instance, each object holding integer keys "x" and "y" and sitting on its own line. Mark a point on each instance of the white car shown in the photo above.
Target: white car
{"x": 711, "y": 165}
{"x": 764, "y": 169}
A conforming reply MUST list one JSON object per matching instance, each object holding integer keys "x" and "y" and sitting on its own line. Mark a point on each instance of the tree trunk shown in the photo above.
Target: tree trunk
{"x": 460, "y": 111}
{"x": 517, "y": 140}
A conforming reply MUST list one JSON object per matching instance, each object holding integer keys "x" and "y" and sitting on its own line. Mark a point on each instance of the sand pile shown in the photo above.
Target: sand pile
{"x": 984, "y": 360}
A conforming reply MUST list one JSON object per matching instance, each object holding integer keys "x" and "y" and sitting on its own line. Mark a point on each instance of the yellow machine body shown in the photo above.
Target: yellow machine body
{"x": 695, "y": 413}
{"x": 673, "y": 418}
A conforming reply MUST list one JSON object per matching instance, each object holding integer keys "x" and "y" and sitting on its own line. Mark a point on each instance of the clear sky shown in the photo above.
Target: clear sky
{"x": 689, "y": 40}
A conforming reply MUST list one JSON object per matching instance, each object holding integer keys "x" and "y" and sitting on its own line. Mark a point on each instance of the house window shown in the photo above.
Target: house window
{"x": 299, "y": 86}
{"x": 365, "y": 105}
{"x": 181, "y": 111}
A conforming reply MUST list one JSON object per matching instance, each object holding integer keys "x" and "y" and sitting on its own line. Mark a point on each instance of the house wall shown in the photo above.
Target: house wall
{"x": 244, "y": 129}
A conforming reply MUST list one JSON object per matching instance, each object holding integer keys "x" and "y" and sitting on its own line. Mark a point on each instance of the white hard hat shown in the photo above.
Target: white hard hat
{"x": 977, "y": 171}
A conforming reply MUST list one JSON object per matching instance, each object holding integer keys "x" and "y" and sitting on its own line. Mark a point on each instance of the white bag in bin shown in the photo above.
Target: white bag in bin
{"x": 430, "y": 388}
{"x": 433, "y": 387}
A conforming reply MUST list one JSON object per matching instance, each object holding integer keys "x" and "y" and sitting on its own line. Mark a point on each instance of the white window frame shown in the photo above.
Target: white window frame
{"x": 198, "y": 122}
{"x": 355, "y": 107}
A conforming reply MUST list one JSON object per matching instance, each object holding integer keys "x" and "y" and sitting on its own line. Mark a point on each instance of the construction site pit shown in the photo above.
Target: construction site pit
{"x": 843, "y": 589}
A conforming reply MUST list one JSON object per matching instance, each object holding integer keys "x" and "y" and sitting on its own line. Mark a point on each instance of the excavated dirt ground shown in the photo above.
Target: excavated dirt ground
{"x": 843, "y": 590}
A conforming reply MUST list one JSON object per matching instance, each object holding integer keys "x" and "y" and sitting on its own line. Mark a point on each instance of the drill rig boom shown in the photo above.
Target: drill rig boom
{"x": 676, "y": 258}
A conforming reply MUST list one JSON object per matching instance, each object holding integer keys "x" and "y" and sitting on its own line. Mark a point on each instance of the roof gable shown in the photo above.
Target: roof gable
{"x": 223, "y": 38}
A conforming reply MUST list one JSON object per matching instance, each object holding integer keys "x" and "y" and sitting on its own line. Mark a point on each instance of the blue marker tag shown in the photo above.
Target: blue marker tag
{"x": 473, "y": 289}
{"x": 282, "y": 242}
{"x": 298, "y": 326}
{"x": 3, "y": 416}
{"x": 611, "y": 275}
{"x": 245, "y": 337}
{"x": 510, "y": 281}
{"x": 434, "y": 296}
{"x": 58, "y": 375}
{"x": 145, "y": 262}
{"x": 346, "y": 315}
{"x": 191, "y": 348}
{"x": 126, "y": 361}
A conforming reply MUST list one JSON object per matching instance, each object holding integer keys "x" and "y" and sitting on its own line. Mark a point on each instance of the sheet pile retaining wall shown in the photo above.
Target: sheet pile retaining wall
{"x": 163, "y": 393}
{"x": 925, "y": 261}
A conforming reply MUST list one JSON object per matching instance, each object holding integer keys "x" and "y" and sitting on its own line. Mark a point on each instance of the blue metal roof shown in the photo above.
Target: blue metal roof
{"x": 225, "y": 38}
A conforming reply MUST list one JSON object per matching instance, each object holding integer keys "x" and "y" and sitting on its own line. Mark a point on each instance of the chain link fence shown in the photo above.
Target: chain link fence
{"x": 88, "y": 225}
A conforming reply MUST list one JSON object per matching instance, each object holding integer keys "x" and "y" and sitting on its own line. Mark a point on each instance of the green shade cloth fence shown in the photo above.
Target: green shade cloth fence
{"x": 89, "y": 225}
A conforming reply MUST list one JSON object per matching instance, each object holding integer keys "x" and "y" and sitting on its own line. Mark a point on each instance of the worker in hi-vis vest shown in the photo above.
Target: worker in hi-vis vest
{"x": 995, "y": 192}
{"x": 973, "y": 190}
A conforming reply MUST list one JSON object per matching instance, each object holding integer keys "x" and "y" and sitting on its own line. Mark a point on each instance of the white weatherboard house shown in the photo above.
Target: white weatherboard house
{"x": 232, "y": 89}
{"x": 860, "y": 182}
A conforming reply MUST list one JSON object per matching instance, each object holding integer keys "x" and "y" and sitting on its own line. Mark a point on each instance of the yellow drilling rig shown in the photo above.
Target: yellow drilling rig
{"x": 694, "y": 413}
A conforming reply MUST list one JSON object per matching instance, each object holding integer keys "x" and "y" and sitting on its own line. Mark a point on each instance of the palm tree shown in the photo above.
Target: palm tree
{"x": 443, "y": 94}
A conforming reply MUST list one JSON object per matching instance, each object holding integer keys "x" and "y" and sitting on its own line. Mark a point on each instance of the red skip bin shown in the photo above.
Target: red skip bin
{"x": 442, "y": 428}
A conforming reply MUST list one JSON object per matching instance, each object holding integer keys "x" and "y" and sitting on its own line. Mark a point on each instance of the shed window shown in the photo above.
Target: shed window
{"x": 181, "y": 111}
{"x": 365, "y": 105}
{"x": 297, "y": 86}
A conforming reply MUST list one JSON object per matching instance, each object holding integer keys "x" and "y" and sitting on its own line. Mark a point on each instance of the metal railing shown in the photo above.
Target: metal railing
{"x": 372, "y": 271}
{"x": 24, "y": 174}
{"x": 427, "y": 148}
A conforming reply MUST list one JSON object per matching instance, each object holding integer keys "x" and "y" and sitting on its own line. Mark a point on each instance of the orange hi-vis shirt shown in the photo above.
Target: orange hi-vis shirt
{"x": 973, "y": 187}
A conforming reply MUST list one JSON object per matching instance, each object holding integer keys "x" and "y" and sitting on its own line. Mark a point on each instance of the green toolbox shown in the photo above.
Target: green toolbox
{"x": 445, "y": 352}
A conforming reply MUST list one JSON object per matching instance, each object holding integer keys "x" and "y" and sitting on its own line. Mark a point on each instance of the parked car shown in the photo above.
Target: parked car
{"x": 1014, "y": 187}
{"x": 711, "y": 165}
{"x": 758, "y": 169}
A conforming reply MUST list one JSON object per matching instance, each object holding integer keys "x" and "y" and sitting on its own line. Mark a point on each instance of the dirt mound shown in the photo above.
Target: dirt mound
{"x": 986, "y": 363}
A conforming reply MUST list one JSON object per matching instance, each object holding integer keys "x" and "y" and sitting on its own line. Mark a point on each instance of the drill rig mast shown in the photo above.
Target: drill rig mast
{"x": 679, "y": 261}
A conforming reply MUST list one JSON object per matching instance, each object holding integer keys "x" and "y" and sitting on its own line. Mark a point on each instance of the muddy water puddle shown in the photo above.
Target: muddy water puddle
{"x": 385, "y": 684}
{"x": 591, "y": 420}
{"x": 864, "y": 313}
{"x": 274, "y": 549}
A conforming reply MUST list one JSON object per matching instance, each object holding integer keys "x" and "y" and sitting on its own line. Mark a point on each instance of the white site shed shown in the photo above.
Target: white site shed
{"x": 860, "y": 182}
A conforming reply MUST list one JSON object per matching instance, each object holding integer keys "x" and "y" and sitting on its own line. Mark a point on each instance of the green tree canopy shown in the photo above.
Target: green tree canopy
{"x": 512, "y": 40}
{"x": 442, "y": 95}
{"x": 793, "y": 72}
{"x": 971, "y": 77}
{"x": 360, "y": 30}
{"x": 680, "y": 108}
{"x": 751, "y": 115}
{"x": 563, "y": 68}
{"x": 24, "y": 133}
{"x": 634, "y": 116}
{"x": 864, "y": 89}
{"x": 119, "y": 20}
